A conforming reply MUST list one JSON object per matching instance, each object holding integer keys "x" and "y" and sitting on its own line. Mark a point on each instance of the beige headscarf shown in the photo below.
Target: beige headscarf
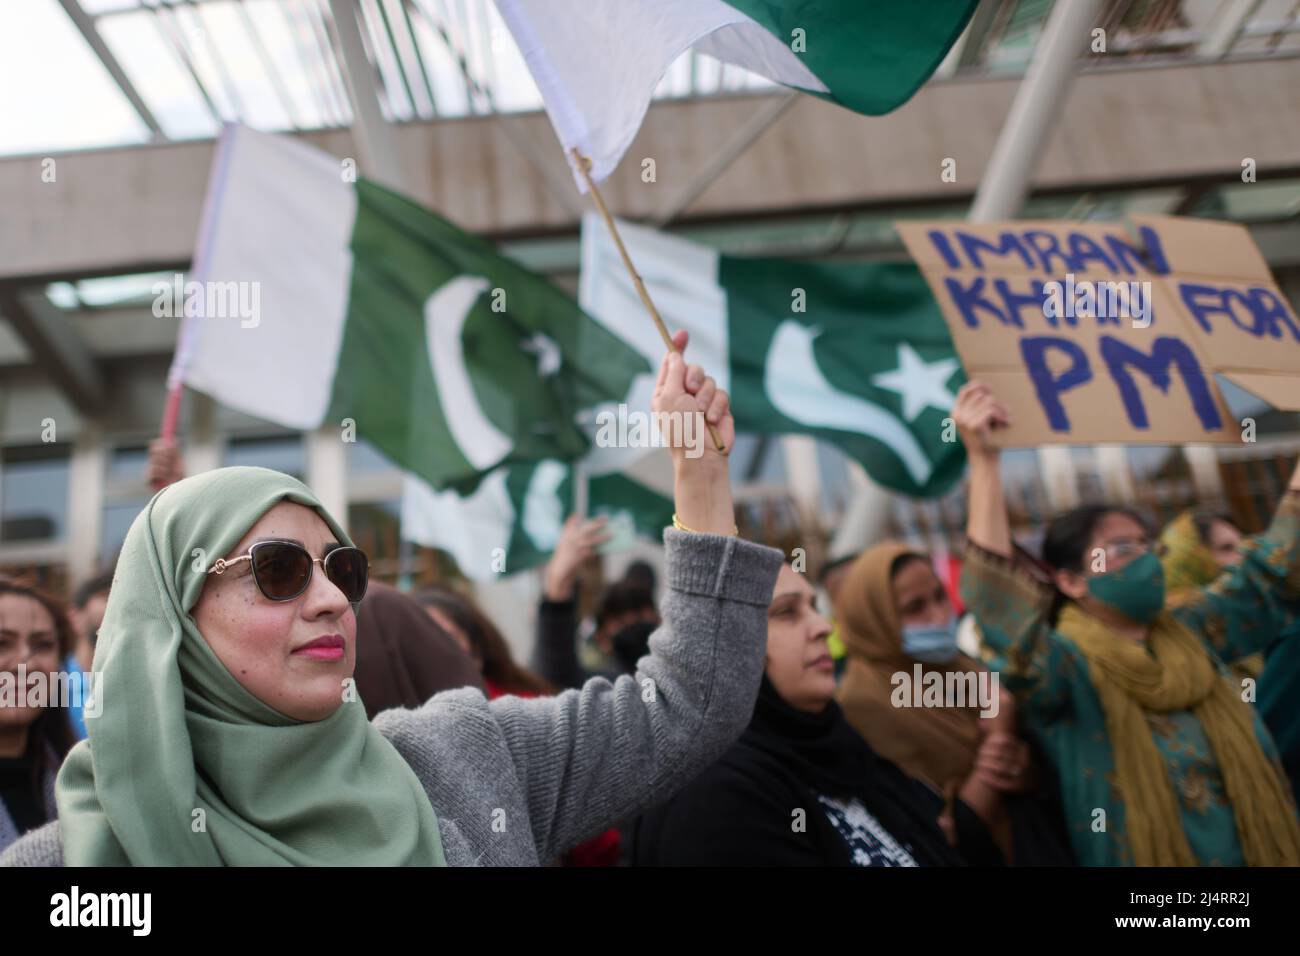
{"x": 937, "y": 743}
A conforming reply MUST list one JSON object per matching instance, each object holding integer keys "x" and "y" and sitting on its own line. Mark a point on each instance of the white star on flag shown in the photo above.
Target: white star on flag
{"x": 920, "y": 383}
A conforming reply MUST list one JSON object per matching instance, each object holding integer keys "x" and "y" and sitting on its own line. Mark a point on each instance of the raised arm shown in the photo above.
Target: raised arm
{"x": 1249, "y": 608}
{"x": 555, "y": 651}
{"x": 592, "y": 757}
{"x": 1010, "y": 607}
{"x": 976, "y": 414}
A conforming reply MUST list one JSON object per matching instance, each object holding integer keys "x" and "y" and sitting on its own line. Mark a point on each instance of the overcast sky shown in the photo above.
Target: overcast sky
{"x": 55, "y": 95}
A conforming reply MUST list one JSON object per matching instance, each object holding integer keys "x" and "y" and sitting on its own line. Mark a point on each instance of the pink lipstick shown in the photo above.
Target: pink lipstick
{"x": 331, "y": 647}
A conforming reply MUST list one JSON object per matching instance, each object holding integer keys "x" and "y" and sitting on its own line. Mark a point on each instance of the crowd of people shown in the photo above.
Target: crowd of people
{"x": 274, "y": 706}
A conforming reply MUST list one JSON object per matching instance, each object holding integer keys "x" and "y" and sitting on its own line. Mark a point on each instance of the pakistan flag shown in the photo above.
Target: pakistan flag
{"x": 512, "y": 521}
{"x": 378, "y": 317}
{"x": 856, "y": 354}
{"x": 598, "y": 64}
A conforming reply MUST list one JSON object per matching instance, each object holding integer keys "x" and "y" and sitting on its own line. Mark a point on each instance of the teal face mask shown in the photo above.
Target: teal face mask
{"x": 1136, "y": 590}
{"x": 930, "y": 643}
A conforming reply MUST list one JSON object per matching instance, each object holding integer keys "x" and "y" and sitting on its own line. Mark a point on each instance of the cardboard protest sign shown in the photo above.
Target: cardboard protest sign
{"x": 1241, "y": 319}
{"x": 1093, "y": 334}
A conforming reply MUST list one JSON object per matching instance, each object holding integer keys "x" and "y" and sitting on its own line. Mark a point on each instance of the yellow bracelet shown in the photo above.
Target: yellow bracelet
{"x": 735, "y": 529}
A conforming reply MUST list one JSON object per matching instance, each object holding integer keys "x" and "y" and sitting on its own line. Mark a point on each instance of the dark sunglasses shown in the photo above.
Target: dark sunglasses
{"x": 283, "y": 569}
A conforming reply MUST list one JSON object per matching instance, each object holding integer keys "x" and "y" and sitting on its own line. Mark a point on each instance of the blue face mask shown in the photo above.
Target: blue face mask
{"x": 933, "y": 644}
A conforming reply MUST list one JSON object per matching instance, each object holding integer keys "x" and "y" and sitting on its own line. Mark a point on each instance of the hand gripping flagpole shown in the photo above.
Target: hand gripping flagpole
{"x": 584, "y": 167}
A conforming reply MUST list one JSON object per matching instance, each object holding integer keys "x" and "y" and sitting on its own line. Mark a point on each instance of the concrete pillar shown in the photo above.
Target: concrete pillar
{"x": 1206, "y": 477}
{"x": 327, "y": 470}
{"x": 86, "y": 471}
{"x": 1116, "y": 476}
{"x": 1059, "y": 476}
{"x": 202, "y": 447}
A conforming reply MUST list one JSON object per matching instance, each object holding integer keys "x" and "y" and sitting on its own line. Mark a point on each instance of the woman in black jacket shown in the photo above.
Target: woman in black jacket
{"x": 801, "y": 787}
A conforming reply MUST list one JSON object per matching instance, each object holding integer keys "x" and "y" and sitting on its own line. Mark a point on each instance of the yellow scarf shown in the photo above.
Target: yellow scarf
{"x": 1179, "y": 675}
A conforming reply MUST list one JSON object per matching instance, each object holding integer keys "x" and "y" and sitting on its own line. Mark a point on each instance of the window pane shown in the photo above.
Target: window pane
{"x": 54, "y": 91}
{"x": 158, "y": 74}
{"x": 363, "y": 459}
{"x": 1088, "y": 474}
{"x": 376, "y": 530}
{"x": 281, "y": 453}
{"x": 236, "y": 61}
{"x": 1162, "y": 480}
{"x": 127, "y": 466}
{"x": 1026, "y": 492}
{"x": 276, "y": 25}
{"x": 117, "y": 522}
{"x": 33, "y": 496}
{"x": 126, "y": 290}
{"x": 1254, "y": 485}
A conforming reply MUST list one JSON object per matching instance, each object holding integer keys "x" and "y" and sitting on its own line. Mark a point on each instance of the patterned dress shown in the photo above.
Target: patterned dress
{"x": 1240, "y": 613}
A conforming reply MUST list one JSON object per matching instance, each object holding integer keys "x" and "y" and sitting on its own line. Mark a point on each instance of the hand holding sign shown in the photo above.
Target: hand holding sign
{"x": 977, "y": 413}
{"x": 1094, "y": 336}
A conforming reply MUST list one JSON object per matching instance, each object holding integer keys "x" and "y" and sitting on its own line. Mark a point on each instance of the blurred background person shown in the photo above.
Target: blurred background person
{"x": 85, "y": 615}
{"x": 474, "y": 631}
{"x": 403, "y": 656}
{"x": 35, "y": 636}
{"x": 801, "y": 787}
{"x": 832, "y": 575}
{"x": 555, "y": 645}
{"x": 1277, "y": 700}
{"x": 1199, "y": 546}
{"x": 896, "y": 619}
{"x": 1197, "y": 549}
{"x": 641, "y": 574}
{"x": 466, "y": 623}
{"x": 625, "y": 617}
{"x": 1161, "y": 762}
{"x": 624, "y": 623}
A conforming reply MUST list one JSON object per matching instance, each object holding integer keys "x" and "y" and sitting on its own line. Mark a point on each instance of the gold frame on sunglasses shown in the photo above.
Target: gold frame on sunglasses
{"x": 221, "y": 565}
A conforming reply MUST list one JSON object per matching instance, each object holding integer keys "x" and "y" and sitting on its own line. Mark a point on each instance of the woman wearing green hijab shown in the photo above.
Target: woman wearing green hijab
{"x": 229, "y": 732}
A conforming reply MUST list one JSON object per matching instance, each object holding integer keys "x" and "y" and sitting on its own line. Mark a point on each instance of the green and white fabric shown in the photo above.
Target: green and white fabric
{"x": 597, "y": 64}
{"x": 512, "y": 521}
{"x": 449, "y": 358}
{"x": 857, "y": 354}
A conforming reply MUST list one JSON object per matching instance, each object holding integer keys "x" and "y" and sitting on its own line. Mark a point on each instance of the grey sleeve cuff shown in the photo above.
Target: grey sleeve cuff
{"x": 721, "y": 566}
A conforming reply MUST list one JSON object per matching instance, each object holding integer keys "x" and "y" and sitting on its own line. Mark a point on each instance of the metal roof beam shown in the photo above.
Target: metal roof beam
{"x": 55, "y": 345}
{"x": 85, "y": 24}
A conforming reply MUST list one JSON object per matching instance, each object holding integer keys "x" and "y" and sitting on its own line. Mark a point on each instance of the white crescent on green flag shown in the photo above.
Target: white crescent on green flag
{"x": 449, "y": 358}
{"x": 597, "y": 64}
{"x": 856, "y": 354}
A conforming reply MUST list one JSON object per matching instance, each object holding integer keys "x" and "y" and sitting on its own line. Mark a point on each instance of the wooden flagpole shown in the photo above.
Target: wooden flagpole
{"x": 584, "y": 167}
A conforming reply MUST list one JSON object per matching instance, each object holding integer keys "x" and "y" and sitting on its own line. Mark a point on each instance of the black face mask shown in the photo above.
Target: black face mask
{"x": 632, "y": 643}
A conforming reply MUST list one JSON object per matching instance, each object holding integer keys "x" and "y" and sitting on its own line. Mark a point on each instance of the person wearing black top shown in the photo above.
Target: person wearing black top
{"x": 801, "y": 787}
{"x": 624, "y": 622}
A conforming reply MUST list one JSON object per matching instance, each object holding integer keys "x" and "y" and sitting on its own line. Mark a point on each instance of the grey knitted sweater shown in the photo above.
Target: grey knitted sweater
{"x": 517, "y": 782}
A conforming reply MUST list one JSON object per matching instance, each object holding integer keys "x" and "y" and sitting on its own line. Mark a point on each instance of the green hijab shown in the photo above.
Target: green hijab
{"x": 186, "y": 767}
